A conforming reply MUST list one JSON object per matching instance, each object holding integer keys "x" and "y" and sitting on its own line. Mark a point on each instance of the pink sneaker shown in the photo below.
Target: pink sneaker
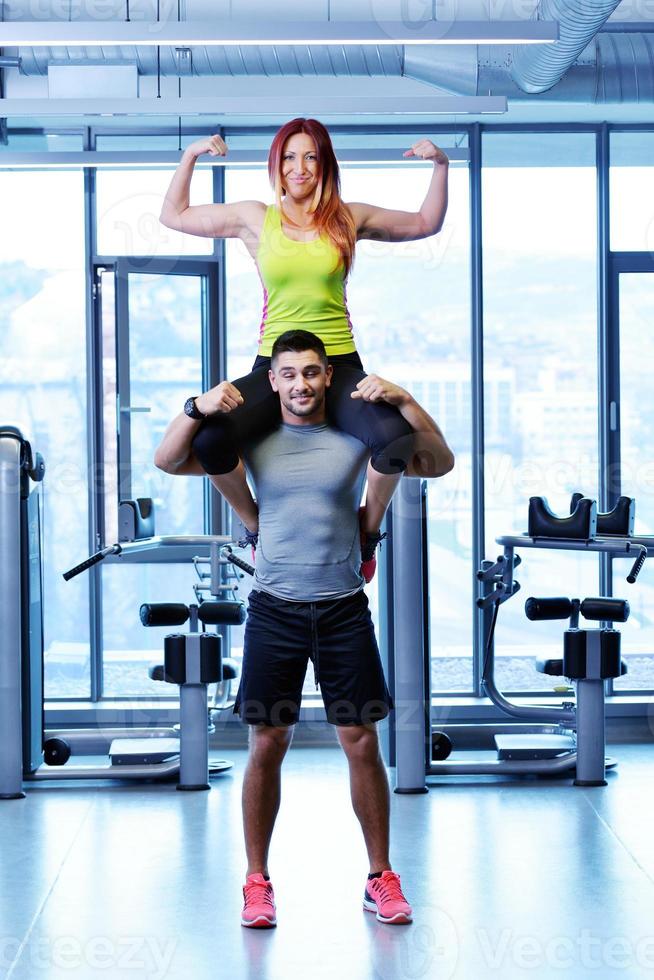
{"x": 259, "y": 907}
{"x": 384, "y": 896}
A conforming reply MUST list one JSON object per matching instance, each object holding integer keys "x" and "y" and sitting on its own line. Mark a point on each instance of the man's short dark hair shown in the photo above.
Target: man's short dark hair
{"x": 298, "y": 341}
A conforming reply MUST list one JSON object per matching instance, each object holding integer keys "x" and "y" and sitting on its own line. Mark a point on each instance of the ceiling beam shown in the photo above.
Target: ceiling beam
{"x": 171, "y": 158}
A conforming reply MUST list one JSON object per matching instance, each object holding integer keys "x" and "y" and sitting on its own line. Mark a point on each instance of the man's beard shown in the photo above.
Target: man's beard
{"x": 312, "y": 406}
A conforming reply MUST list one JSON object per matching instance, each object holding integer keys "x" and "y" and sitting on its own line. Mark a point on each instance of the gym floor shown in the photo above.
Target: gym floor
{"x": 507, "y": 879}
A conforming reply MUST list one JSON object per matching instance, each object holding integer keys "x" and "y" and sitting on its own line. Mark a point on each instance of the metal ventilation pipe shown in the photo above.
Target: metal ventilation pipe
{"x": 617, "y": 69}
{"x": 537, "y": 67}
{"x": 269, "y": 61}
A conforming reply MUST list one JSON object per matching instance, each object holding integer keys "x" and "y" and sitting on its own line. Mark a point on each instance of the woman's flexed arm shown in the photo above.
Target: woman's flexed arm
{"x": 408, "y": 226}
{"x": 205, "y": 220}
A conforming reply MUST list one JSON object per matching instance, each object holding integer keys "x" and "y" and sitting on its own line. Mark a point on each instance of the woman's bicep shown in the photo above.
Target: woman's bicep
{"x": 218, "y": 220}
{"x": 386, "y": 225}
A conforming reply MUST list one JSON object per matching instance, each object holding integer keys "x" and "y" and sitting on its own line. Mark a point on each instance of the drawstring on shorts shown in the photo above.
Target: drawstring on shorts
{"x": 314, "y": 644}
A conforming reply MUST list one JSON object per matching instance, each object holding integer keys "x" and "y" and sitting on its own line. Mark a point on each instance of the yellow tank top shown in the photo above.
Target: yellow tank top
{"x": 303, "y": 288}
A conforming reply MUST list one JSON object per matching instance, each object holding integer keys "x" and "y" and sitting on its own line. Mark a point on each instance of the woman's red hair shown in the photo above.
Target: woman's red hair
{"x": 331, "y": 216}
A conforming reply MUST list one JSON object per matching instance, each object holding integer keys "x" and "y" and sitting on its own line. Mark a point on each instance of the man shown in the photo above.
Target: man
{"x": 308, "y": 601}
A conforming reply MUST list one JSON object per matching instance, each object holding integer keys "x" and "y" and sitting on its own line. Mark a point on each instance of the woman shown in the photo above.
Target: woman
{"x": 303, "y": 247}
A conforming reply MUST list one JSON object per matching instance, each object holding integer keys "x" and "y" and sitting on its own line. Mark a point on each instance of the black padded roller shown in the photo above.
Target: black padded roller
{"x": 223, "y": 612}
{"x": 576, "y": 664}
{"x": 556, "y": 608}
{"x": 612, "y": 610}
{"x": 163, "y": 613}
{"x": 175, "y": 658}
{"x": 211, "y": 668}
{"x": 619, "y": 520}
{"x": 580, "y": 525}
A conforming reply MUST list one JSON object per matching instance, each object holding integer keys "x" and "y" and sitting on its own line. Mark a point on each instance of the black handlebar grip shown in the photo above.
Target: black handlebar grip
{"x": 115, "y": 549}
{"x": 229, "y": 556}
{"x": 612, "y": 610}
{"x": 637, "y": 566}
{"x": 556, "y": 608}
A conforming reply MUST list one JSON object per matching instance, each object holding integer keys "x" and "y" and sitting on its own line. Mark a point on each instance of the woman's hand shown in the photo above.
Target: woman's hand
{"x": 215, "y": 146}
{"x": 427, "y": 150}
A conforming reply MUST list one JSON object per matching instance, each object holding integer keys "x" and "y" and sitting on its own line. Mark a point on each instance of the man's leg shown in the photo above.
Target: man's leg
{"x": 369, "y": 790}
{"x": 262, "y": 791}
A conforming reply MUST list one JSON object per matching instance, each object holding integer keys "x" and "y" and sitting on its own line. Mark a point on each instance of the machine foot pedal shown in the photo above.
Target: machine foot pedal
{"x": 526, "y": 746}
{"x": 141, "y": 751}
{"x": 219, "y": 765}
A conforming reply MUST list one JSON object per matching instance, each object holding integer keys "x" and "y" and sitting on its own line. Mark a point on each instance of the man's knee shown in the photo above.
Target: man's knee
{"x": 269, "y": 742}
{"x": 359, "y": 742}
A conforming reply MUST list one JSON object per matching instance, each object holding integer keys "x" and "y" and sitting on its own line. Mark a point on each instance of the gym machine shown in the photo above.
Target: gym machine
{"x": 568, "y": 739}
{"x": 193, "y": 661}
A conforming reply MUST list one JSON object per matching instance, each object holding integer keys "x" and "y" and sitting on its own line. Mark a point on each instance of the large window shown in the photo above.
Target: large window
{"x": 632, "y": 212}
{"x": 632, "y": 230}
{"x": 128, "y": 207}
{"x": 43, "y": 391}
{"x": 636, "y": 315}
{"x": 410, "y": 307}
{"x": 540, "y": 366}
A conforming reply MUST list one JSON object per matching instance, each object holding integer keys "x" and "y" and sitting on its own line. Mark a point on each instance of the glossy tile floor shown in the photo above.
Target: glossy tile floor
{"x": 507, "y": 879}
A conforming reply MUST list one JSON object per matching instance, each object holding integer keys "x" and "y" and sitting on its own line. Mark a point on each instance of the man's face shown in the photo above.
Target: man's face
{"x": 301, "y": 379}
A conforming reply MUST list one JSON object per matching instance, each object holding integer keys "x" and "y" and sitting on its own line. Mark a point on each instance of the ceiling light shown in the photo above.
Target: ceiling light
{"x": 281, "y": 107}
{"x": 240, "y": 33}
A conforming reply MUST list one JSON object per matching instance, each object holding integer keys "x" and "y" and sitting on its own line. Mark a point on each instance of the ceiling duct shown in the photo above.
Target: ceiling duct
{"x": 615, "y": 68}
{"x": 537, "y": 68}
{"x": 269, "y": 61}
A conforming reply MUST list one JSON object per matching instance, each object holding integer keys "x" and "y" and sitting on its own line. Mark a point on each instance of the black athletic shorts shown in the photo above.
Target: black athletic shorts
{"x": 337, "y": 635}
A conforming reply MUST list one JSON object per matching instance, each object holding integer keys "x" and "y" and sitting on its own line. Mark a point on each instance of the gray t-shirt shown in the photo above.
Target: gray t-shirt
{"x": 308, "y": 481}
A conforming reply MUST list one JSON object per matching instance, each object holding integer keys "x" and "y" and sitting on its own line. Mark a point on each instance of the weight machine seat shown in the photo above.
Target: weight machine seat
{"x": 554, "y": 667}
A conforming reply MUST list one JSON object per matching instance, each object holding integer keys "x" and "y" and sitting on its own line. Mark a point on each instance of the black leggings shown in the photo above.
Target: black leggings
{"x": 379, "y": 426}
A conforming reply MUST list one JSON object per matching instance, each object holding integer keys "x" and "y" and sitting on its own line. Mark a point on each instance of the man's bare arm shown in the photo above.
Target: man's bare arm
{"x": 432, "y": 456}
{"x": 175, "y": 453}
